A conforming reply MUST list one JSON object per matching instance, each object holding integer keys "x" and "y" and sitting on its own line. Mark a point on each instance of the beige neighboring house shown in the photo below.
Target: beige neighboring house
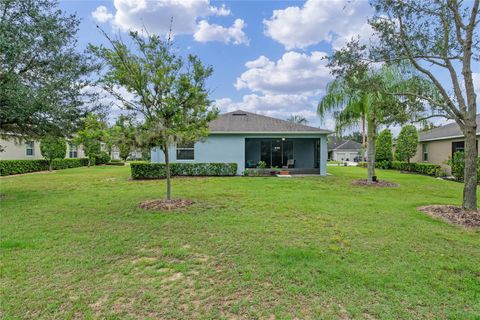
{"x": 439, "y": 144}
{"x": 27, "y": 149}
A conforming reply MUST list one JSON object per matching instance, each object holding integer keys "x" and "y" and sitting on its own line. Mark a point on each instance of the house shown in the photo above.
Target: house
{"x": 16, "y": 148}
{"x": 247, "y": 138}
{"x": 343, "y": 150}
{"x": 439, "y": 144}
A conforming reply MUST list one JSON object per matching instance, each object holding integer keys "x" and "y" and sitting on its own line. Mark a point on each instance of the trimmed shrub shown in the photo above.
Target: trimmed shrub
{"x": 457, "y": 163}
{"x": 116, "y": 163}
{"x": 157, "y": 170}
{"x": 102, "y": 158}
{"x": 384, "y": 146}
{"x": 362, "y": 164}
{"x": 9, "y": 167}
{"x": 383, "y": 164}
{"x": 429, "y": 169}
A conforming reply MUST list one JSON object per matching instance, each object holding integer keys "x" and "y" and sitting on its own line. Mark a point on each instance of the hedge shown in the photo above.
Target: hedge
{"x": 157, "y": 170}
{"x": 429, "y": 169}
{"x": 8, "y": 167}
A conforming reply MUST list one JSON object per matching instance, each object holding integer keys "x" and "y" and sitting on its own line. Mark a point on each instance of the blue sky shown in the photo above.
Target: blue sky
{"x": 267, "y": 55}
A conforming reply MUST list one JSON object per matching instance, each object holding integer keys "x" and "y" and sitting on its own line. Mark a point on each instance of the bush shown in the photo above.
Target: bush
{"x": 102, "y": 158}
{"x": 383, "y": 164}
{"x": 429, "y": 169}
{"x": 384, "y": 146}
{"x": 8, "y": 167}
{"x": 116, "y": 163}
{"x": 457, "y": 163}
{"x": 53, "y": 148}
{"x": 157, "y": 170}
{"x": 362, "y": 164}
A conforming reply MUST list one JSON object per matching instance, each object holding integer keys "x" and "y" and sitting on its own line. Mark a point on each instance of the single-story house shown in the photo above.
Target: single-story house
{"x": 439, "y": 144}
{"x": 16, "y": 148}
{"x": 343, "y": 150}
{"x": 247, "y": 138}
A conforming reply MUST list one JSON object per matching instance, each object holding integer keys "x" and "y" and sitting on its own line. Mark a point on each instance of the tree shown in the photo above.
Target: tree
{"x": 169, "y": 90}
{"x": 440, "y": 39}
{"x": 384, "y": 146}
{"x": 358, "y": 94}
{"x": 407, "y": 142}
{"x": 357, "y": 137}
{"x": 91, "y": 136}
{"x": 53, "y": 148}
{"x": 296, "y": 118}
{"x": 43, "y": 77}
{"x": 123, "y": 136}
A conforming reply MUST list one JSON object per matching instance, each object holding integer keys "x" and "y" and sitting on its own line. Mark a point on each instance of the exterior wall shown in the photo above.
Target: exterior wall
{"x": 16, "y": 150}
{"x": 343, "y": 155}
{"x": 215, "y": 148}
{"x": 439, "y": 151}
{"x": 231, "y": 148}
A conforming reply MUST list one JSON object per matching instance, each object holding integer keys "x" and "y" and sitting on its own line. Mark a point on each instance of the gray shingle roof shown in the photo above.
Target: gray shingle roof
{"x": 246, "y": 122}
{"x": 450, "y": 130}
{"x": 338, "y": 144}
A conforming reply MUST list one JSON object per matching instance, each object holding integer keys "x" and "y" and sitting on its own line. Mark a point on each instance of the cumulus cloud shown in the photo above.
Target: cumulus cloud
{"x": 293, "y": 73}
{"x": 213, "y": 32}
{"x": 102, "y": 15}
{"x": 333, "y": 21}
{"x": 189, "y": 17}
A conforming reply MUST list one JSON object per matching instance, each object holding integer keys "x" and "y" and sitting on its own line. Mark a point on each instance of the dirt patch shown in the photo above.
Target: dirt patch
{"x": 453, "y": 214}
{"x": 379, "y": 183}
{"x": 165, "y": 205}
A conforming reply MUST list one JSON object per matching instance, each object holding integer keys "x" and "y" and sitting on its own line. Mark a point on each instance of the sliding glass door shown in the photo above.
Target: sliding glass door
{"x": 276, "y": 153}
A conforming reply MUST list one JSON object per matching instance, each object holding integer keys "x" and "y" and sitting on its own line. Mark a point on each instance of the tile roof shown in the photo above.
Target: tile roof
{"x": 246, "y": 122}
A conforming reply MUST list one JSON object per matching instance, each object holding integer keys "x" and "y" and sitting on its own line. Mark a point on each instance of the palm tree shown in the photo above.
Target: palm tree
{"x": 349, "y": 107}
{"x": 295, "y": 118}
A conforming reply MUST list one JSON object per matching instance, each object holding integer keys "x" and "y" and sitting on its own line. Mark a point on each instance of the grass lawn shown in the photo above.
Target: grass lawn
{"x": 74, "y": 244}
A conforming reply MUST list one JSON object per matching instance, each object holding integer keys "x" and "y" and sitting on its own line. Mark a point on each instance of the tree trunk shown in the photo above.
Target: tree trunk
{"x": 470, "y": 174}
{"x": 371, "y": 137}
{"x": 167, "y": 171}
{"x": 364, "y": 142}
{"x": 50, "y": 165}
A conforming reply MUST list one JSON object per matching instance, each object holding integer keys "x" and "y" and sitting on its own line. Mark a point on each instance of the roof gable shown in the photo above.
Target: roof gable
{"x": 247, "y": 122}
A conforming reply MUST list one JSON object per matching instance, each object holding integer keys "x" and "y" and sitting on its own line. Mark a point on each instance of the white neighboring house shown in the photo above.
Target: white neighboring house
{"x": 27, "y": 149}
{"x": 343, "y": 150}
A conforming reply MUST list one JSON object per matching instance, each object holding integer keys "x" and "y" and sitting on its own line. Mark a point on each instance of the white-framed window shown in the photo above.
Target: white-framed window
{"x": 185, "y": 151}
{"x": 72, "y": 150}
{"x": 425, "y": 152}
{"x": 29, "y": 148}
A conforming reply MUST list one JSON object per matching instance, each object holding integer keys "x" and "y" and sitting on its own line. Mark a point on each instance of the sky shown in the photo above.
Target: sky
{"x": 268, "y": 56}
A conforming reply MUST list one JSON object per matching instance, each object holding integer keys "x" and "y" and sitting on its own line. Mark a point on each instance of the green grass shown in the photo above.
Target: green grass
{"x": 74, "y": 244}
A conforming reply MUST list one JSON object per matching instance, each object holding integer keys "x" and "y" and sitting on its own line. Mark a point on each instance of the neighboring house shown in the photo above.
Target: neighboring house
{"x": 248, "y": 138}
{"x": 27, "y": 149}
{"x": 343, "y": 150}
{"x": 439, "y": 144}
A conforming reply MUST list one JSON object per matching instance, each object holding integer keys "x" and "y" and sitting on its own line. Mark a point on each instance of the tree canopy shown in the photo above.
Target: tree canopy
{"x": 53, "y": 148}
{"x": 407, "y": 142}
{"x": 169, "y": 90}
{"x": 43, "y": 77}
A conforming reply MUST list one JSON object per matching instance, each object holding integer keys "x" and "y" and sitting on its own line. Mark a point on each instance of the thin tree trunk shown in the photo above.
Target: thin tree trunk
{"x": 50, "y": 167}
{"x": 470, "y": 174}
{"x": 371, "y": 137}
{"x": 167, "y": 171}
{"x": 364, "y": 141}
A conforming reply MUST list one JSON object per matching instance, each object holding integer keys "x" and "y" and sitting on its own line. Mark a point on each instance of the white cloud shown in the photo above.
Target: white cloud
{"x": 213, "y": 32}
{"x": 293, "y": 73}
{"x": 333, "y": 21}
{"x": 102, "y": 15}
{"x": 182, "y": 16}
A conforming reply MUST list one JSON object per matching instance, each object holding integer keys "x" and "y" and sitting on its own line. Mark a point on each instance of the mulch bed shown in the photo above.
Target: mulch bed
{"x": 165, "y": 205}
{"x": 453, "y": 214}
{"x": 379, "y": 183}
